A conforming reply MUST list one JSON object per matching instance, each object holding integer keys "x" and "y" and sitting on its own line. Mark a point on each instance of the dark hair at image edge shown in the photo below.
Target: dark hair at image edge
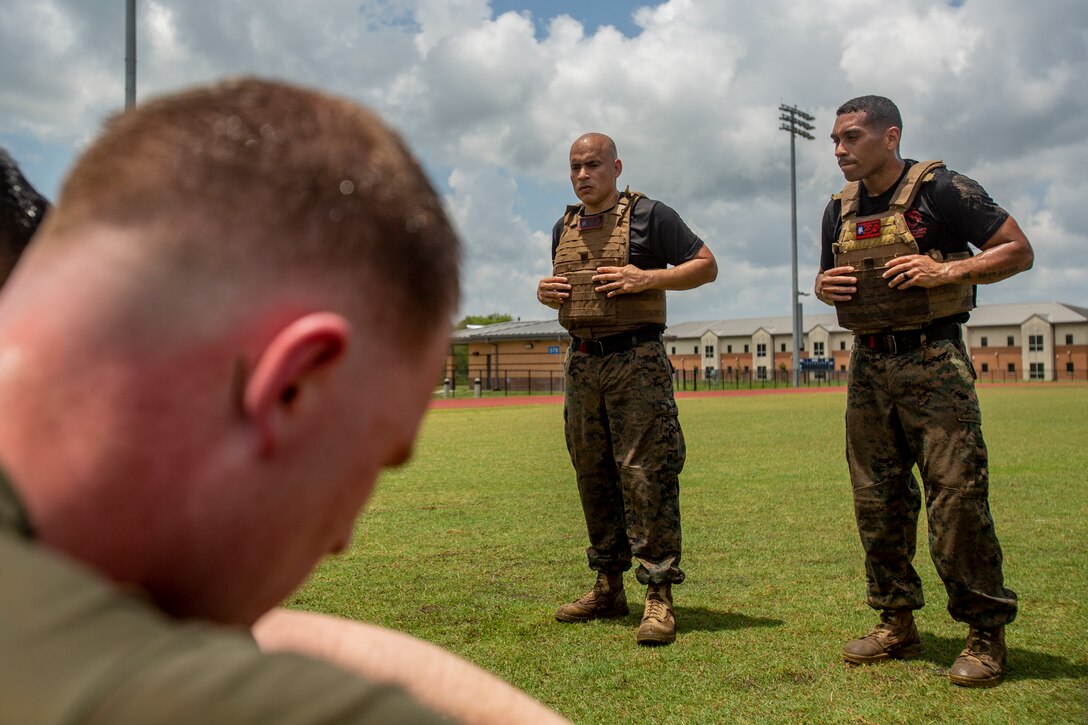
{"x": 22, "y": 209}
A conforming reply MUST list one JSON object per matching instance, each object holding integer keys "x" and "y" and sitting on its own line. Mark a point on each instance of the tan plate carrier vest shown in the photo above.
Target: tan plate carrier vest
{"x": 868, "y": 243}
{"x": 590, "y": 314}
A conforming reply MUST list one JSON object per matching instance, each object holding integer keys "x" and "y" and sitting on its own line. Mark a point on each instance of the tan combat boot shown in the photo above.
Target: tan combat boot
{"x": 895, "y": 637}
{"x": 605, "y": 599}
{"x": 982, "y": 662}
{"x": 658, "y": 622}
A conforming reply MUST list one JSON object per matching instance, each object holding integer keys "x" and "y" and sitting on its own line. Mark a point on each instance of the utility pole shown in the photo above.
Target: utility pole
{"x": 796, "y": 122}
{"x": 130, "y": 53}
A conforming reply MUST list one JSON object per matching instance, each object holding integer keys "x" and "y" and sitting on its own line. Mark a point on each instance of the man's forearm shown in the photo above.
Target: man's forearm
{"x": 437, "y": 678}
{"x": 991, "y": 265}
{"x": 695, "y": 272}
{"x": 1005, "y": 254}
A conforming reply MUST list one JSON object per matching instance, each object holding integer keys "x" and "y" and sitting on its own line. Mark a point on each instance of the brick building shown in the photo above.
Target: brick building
{"x": 1009, "y": 342}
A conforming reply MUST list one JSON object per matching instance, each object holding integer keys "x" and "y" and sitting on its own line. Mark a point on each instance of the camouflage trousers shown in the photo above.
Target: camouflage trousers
{"x": 627, "y": 448}
{"x": 920, "y": 408}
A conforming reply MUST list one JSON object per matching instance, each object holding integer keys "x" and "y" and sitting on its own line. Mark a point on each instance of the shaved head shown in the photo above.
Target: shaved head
{"x": 598, "y": 140}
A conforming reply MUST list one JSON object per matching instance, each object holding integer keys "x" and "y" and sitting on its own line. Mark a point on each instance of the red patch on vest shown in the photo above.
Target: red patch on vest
{"x": 868, "y": 230}
{"x": 589, "y": 223}
{"x": 916, "y": 224}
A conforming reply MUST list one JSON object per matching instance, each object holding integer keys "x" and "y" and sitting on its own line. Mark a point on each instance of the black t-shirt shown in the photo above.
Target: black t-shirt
{"x": 659, "y": 237}
{"x": 950, "y": 212}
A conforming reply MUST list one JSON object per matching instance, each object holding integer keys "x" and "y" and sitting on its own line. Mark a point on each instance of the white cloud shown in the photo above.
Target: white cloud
{"x": 492, "y": 102}
{"x": 909, "y": 49}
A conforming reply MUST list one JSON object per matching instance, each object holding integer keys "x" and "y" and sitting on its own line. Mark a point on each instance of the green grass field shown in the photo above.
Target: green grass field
{"x": 476, "y": 542}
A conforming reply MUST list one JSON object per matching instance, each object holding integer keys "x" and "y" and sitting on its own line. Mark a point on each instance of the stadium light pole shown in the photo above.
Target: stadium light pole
{"x": 796, "y": 122}
{"x": 130, "y": 53}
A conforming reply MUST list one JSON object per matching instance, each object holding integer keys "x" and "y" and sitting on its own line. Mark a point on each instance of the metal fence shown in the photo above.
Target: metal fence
{"x": 696, "y": 379}
{"x": 1061, "y": 376}
{"x": 505, "y": 382}
{"x": 551, "y": 382}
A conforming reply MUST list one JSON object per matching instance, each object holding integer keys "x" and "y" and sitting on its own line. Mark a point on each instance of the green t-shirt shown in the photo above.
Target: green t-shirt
{"x": 74, "y": 648}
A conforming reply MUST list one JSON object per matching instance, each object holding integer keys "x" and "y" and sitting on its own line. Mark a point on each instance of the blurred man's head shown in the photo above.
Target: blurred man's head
{"x": 22, "y": 209}
{"x": 230, "y": 323}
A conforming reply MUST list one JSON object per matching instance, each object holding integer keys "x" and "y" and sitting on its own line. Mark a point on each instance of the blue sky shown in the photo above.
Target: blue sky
{"x": 490, "y": 95}
{"x": 591, "y": 13}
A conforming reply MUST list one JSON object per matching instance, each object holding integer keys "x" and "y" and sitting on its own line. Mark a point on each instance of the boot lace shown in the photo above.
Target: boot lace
{"x": 656, "y": 609}
{"x": 980, "y": 642}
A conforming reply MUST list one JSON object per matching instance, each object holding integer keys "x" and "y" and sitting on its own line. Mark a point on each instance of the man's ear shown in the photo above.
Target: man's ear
{"x": 290, "y": 361}
{"x": 893, "y": 134}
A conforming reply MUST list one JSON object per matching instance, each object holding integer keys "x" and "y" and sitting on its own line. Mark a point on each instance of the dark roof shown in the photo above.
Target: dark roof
{"x": 515, "y": 330}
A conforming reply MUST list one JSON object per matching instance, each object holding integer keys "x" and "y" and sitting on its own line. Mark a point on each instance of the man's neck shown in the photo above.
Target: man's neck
{"x": 882, "y": 180}
{"x": 603, "y": 206}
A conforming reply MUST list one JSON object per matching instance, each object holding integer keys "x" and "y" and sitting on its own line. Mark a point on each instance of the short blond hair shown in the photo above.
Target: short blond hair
{"x": 249, "y": 175}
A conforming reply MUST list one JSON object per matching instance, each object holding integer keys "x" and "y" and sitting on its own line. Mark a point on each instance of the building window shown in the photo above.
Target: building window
{"x": 1068, "y": 339}
{"x": 729, "y": 348}
{"x": 984, "y": 342}
{"x": 1069, "y": 367}
{"x": 985, "y": 367}
{"x": 842, "y": 368}
{"x": 1012, "y": 367}
{"x": 842, "y": 344}
{"x": 746, "y": 348}
{"x": 696, "y": 349}
{"x": 818, "y": 349}
{"x": 674, "y": 349}
{"x": 709, "y": 351}
{"x": 761, "y": 350}
{"x": 1011, "y": 341}
{"x": 783, "y": 347}
{"x": 1037, "y": 372}
{"x": 1035, "y": 343}
{"x": 761, "y": 372}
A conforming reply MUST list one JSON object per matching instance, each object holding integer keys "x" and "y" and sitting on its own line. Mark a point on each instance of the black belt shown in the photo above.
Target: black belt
{"x": 615, "y": 343}
{"x": 897, "y": 343}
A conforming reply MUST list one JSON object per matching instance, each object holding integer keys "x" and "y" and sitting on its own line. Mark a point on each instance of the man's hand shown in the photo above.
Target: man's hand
{"x": 835, "y": 285}
{"x": 551, "y": 291}
{"x": 622, "y": 280}
{"x": 915, "y": 270}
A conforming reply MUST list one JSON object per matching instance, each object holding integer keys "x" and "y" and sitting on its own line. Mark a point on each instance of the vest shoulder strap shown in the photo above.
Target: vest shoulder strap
{"x": 570, "y": 216}
{"x": 627, "y": 201}
{"x": 623, "y": 205}
{"x": 904, "y": 195}
{"x": 911, "y": 184}
{"x": 849, "y": 198}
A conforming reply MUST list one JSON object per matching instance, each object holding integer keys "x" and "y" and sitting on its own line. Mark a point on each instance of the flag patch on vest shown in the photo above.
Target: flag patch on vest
{"x": 589, "y": 223}
{"x": 868, "y": 230}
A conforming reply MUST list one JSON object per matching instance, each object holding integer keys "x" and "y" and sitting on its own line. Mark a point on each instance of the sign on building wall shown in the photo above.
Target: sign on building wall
{"x": 810, "y": 363}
